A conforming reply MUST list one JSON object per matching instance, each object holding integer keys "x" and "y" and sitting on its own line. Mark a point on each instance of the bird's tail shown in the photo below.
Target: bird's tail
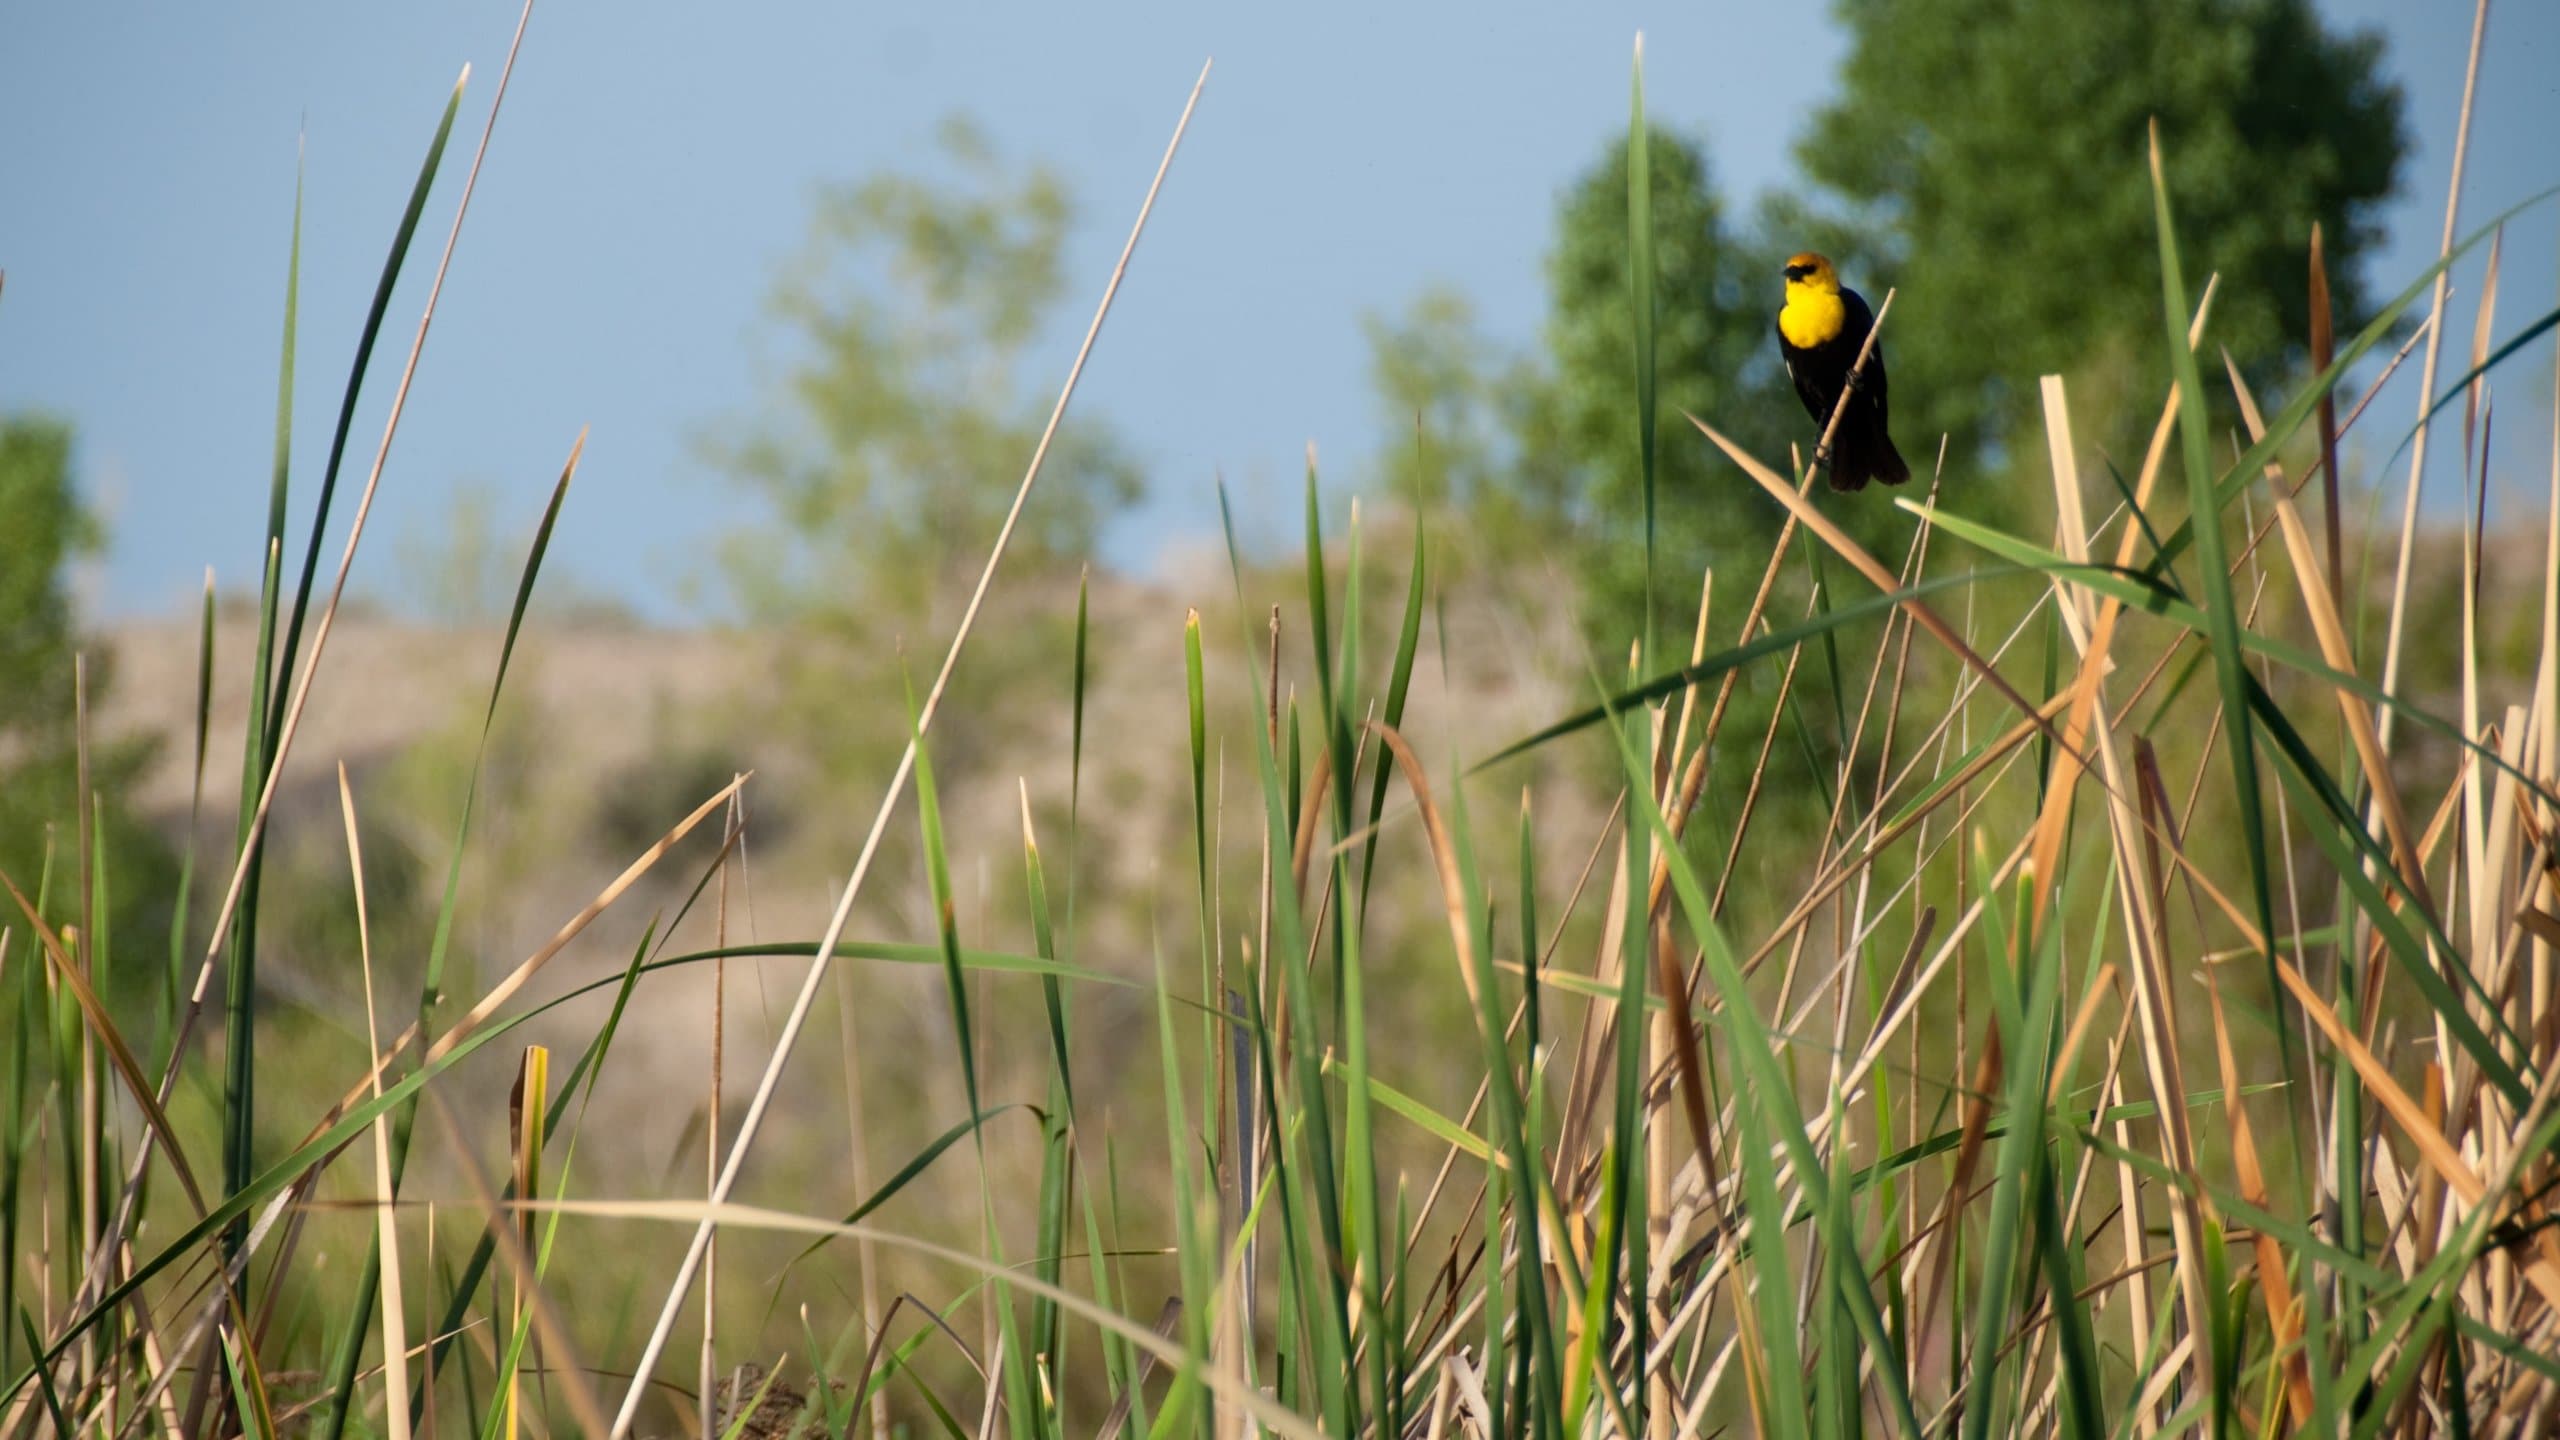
{"x": 1888, "y": 461}
{"x": 1854, "y": 463}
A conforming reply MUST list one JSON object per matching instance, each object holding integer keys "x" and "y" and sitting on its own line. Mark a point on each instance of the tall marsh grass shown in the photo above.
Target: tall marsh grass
{"x": 2142, "y": 1045}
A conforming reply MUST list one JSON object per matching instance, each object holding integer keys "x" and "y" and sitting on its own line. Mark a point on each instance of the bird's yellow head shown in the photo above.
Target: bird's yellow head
{"x": 1810, "y": 273}
{"x": 1814, "y": 312}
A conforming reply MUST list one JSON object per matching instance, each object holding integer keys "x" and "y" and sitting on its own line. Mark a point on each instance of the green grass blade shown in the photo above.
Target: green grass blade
{"x": 356, "y": 370}
{"x": 1344, "y": 723}
{"x": 1201, "y": 842}
{"x": 1997, "y": 1294}
{"x": 1626, "y": 1217}
{"x": 240, "y": 979}
{"x": 906, "y": 1174}
{"x": 1318, "y": 622}
{"x": 1364, "y": 1223}
{"x": 946, "y": 916}
{"x": 1399, "y": 684}
{"x": 267, "y": 719}
{"x": 248, "y": 1400}
{"x": 176, "y": 979}
{"x": 1529, "y": 947}
{"x": 1044, "y": 943}
{"x": 1075, "y": 748}
{"x": 13, "y": 1146}
{"x": 746, "y": 1413}
{"x": 1195, "y": 1254}
{"x": 2222, "y": 611}
{"x": 1781, "y": 1357}
{"x": 1056, "y": 1152}
{"x": 431, "y": 991}
{"x": 44, "y": 1376}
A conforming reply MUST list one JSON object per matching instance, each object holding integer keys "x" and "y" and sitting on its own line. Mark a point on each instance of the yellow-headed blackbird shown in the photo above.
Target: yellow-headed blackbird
{"x": 1819, "y": 333}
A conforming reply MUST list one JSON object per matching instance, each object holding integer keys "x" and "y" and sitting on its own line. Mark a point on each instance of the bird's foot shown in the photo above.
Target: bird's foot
{"x": 1821, "y": 457}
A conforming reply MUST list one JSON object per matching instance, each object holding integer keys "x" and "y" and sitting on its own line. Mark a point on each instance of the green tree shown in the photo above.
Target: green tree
{"x": 906, "y": 418}
{"x": 1990, "y": 159}
{"x": 43, "y": 529}
{"x": 1468, "y": 422}
{"x": 903, "y": 421}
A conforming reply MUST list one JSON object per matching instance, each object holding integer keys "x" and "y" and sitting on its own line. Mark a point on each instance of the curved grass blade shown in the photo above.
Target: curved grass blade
{"x": 352, "y": 1123}
{"x": 267, "y": 718}
{"x": 356, "y": 369}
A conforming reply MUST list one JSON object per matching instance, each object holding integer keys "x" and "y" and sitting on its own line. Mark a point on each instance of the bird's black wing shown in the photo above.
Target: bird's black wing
{"x": 1818, "y": 390}
{"x": 1871, "y": 382}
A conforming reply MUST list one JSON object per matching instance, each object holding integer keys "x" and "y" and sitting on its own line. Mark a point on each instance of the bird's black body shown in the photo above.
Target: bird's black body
{"x": 1861, "y": 449}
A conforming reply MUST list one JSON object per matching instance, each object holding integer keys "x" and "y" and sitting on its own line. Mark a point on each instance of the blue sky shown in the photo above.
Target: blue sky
{"x": 653, "y": 164}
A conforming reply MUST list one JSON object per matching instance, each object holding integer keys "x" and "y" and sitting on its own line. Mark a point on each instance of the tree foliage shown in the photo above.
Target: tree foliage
{"x": 904, "y": 418}
{"x": 47, "y": 529}
{"x": 1988, "y": 162}
{"x": 1472, "y": 416}
{"x": 44, "y": 530}
{"x": 1989, "y": 159}
{"x": 1541, "y": 452}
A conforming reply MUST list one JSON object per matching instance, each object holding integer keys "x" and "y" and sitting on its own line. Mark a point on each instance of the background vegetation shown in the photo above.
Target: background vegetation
{"x": 1963, "y": 989}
